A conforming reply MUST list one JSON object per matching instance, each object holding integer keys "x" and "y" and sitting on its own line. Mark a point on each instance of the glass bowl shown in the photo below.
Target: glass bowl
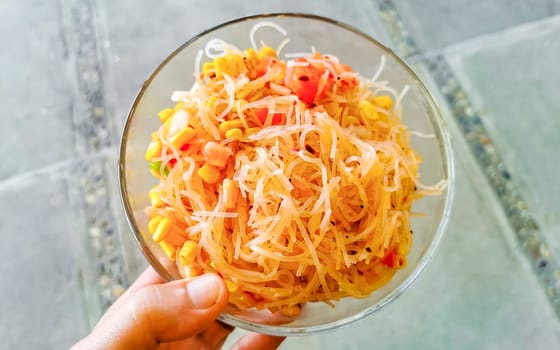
{"x": 363, "y": 54}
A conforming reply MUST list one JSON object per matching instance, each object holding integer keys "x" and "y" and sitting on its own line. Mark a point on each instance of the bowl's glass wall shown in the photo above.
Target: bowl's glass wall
{"x": 363, "y": 55}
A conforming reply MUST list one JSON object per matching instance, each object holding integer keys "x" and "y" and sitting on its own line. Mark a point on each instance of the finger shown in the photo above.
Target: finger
{"x": 165, "y": 313}
{"x": 255, "y": 341}
{"x": 148, "y": 277}
{"x": 215, "y": 336}
{"x": 172, "y": 311}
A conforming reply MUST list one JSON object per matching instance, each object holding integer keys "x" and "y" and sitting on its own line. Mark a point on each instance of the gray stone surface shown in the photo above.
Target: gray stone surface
{"x": 438, "y": 23}
{"x": 36, "y": 87}
{"x": 64, "y": 232}
{"x": 42, "y": 249}
{"x": 513, "y": 79}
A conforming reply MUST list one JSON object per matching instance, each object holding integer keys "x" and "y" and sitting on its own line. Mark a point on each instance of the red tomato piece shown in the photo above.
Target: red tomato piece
{"x": 390, "y": 259}
{"x": 262, "y": 114}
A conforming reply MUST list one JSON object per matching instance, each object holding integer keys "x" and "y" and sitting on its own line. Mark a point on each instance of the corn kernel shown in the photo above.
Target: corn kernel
{"x": 291, "y": 310}
{"x": 351, "y": 120}
{"x": 163, "y": 228}
{"x": 251, "y": 131}
{"x": 234, "y": 133}
{"x": 266, "y": 51}
{"x": 155, "y": 135}
{"x": 251, "y": 55}
{"x": 231, "y": 64}
{"x": 384, "y": 102}
{"x": 154, "y": 150}
{"x": 164, "y": 114}
{"x": 189, "y": 272}
{"x": 368, "y": 111}
{"x": 212, "y": 265}
{"x": 179, "y": 105}
{"x": 167, "y": 123}
{"x": 188, "y": 252}
{"x": 207, "y": 67}
{"x": 229, "y": 124}
{"x": 241, "y": 94}
{"x": 155, "y": 198}
{"x": 152, "y": 225}
{"x": 168, "y": 249}
{"x": 156, "y": 174}
{"x": 211, "y": 100}
{"x": 231, "y": 286}
{"x": 209, "y": 174}
{"x": 182, "y": 137}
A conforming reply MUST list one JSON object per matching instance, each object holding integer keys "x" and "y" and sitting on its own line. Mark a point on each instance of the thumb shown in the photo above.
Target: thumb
{"x": 177, "y": 310}
{"x": 165, "y": 312}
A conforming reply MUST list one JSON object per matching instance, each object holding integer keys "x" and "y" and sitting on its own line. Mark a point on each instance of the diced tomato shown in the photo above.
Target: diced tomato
{"x": 262, "y": 114}
{"x": 264, "y": 64}
{"x": 185, "y": 147}
{"x": 172, "y": 162}
{"x": 304, "y": 81}
{"x": 390, "y": 259}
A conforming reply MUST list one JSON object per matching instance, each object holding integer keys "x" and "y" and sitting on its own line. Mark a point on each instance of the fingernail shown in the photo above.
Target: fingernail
{"x": 203, "y": 291}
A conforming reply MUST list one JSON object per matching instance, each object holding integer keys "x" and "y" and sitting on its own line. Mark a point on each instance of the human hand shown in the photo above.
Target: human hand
{"x": 153, "y": 314}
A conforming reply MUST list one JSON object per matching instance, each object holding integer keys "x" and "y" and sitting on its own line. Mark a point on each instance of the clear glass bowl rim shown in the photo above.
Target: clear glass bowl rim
{"x": 441, "y": 134}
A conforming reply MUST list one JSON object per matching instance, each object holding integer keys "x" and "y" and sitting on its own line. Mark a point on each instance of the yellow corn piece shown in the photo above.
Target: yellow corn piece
{"x": 156, "y": 174}
{"x": 167, "y": 123}
{"x": 291, "y": 310}
{"x": 231, "y": 64}
{"x": 189, "y": 272}
{"x": 251, "y": 57}
{"x": 179, "y": 105}
{"x": 368, "y": 111}
{"x": 188, "y": 252}
{"x": 384, "y": 102}
{"x": 155, "y": 198}
{"x": 251, "y": 131}
{"x": 266, "y": 51}
{"x": 229, "y": 124}
{"x": 155, "y": 135}
{"x": 164, "y": 114}
{"x": 209, "y": 174}
{"x": 211, "y": 100}
{"x": 234, "y": 133}
{"x": 350, "y": 120}
{"x": 154, "y": 150}
{"x": 182, "y": 137}
{"x": 153, "y": 224}
{"x": 242, "y": 93}
{"x": 207, "y": 67}
{"x": 231, "y": 286}
{"x": 332, "y": 109}
{"x": 168, "y": 249}
{"x": 162, "y": 229}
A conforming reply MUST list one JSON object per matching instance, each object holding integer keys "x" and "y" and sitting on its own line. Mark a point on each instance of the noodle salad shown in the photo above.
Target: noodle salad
{"x": 292, "y": 179}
